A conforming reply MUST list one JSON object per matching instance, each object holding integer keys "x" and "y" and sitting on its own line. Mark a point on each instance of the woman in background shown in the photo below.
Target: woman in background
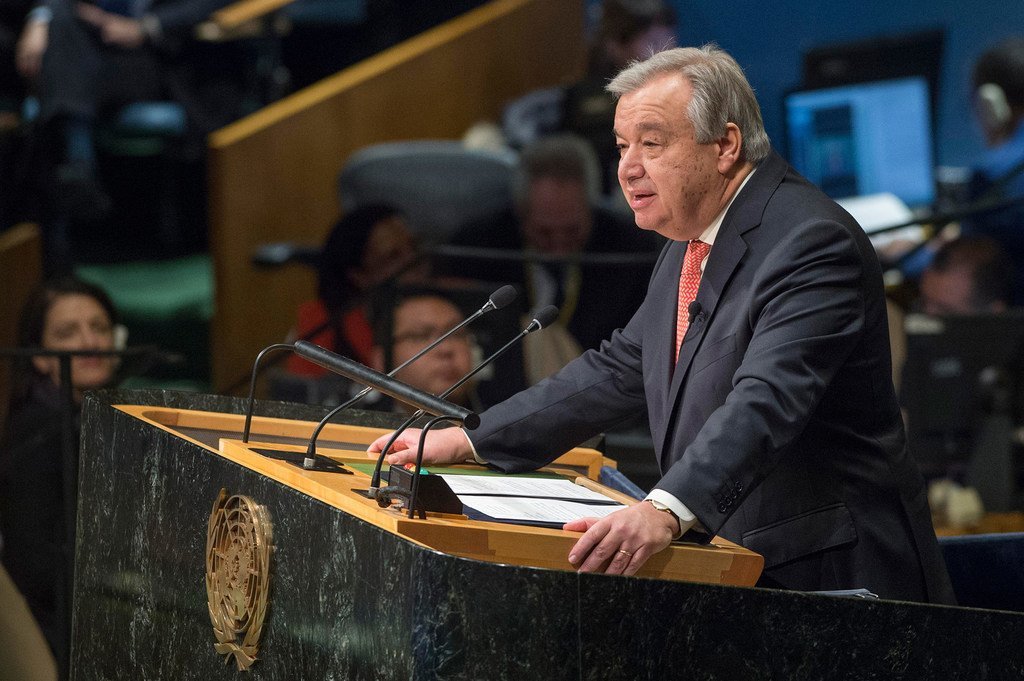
{"x": 62, "y": 314}
{"x": 367, "y": 248}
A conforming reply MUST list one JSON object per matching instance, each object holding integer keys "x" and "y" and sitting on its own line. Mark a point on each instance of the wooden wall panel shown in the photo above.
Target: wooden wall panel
{"x": 273, "y": 175}
{"x": 21, "y": 270}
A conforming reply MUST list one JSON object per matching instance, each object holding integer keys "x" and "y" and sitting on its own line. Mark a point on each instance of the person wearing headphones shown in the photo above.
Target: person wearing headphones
{"x": 998, "y": 175}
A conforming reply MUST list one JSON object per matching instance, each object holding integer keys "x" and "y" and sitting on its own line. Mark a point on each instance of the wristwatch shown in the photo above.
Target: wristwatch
{"x": 658, "y": 506}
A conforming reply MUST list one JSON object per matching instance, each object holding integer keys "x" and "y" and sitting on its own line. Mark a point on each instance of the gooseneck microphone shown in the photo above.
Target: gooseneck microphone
{"x": 252, "y": 385}
{"x": 541, "y": 319}
{"x": 392, "y": 387}
{"x": 384, "y": 383}
{"x": 497, "y": 300}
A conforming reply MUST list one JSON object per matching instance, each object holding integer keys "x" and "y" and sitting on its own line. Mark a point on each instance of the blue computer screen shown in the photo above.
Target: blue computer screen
{"x": 864, "y": 138}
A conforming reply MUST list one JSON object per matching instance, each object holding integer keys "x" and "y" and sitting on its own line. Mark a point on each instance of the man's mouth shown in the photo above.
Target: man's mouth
{"x": 640, "y": 200}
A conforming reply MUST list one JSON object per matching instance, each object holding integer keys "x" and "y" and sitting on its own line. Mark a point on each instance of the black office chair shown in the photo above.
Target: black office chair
{"x": 439, "y": 184}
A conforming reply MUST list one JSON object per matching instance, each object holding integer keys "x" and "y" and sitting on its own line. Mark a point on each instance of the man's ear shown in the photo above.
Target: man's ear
{"x": 730, "y": 149}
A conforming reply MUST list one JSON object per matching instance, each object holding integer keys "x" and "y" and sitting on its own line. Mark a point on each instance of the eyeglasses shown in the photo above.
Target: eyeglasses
{"x": 425, "y": 335}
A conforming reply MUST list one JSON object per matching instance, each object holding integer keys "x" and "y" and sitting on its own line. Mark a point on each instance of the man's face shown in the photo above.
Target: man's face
{"x": 557, "y": 217}
{"x": 673, "y": 184}
{"x": 948, "y": 292}
{"x": 417, "y": 322}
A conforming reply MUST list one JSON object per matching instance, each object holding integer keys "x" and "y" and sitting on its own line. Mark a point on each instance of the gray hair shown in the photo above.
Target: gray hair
{"x": 564, "y": 157}
{"x": 721, "y": 94}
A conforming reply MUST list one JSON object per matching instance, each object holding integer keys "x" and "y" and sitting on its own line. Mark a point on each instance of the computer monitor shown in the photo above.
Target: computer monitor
{"x": 864, "y": 138}
{"x": 960, "y": 371}
{"x": 882, "y": 57}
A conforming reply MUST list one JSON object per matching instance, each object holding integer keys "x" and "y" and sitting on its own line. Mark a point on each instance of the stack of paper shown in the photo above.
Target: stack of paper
{"x": 530, "y": 500}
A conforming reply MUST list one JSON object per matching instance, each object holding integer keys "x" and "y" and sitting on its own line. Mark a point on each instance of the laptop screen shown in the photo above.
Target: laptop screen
{"x": 864, "y": 138}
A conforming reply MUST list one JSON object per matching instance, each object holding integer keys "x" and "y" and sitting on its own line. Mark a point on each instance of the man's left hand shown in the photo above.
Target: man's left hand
{"x": 621, "y": 543}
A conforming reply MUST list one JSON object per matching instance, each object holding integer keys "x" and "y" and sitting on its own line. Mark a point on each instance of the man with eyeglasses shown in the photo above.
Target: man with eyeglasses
{"x": 416, "y": 319}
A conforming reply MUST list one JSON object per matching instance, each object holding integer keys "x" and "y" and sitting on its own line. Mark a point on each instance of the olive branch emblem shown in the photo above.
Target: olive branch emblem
{"x": 238, "y": 548}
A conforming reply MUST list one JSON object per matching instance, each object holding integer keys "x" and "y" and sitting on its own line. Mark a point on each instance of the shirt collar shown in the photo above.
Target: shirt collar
{"x": 709, "y": 234}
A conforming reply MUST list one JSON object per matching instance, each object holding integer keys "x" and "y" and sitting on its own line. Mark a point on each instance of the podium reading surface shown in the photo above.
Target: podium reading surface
{"x": 358, "y": 592}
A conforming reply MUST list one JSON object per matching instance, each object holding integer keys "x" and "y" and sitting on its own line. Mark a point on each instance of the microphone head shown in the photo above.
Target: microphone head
{"x": 503, "y": 296}
{"x": 545, "y": 316}
{"x": 693, "y": 309}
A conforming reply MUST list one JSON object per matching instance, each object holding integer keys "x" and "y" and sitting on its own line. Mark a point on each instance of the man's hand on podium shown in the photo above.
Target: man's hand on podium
{"x": 445, "y": 446}
{"x": 621, "y": 543}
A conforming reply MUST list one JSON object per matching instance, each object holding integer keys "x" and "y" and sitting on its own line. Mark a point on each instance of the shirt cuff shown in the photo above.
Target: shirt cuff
{"x": 687, "y": 519}
{"x": 472, "y": 448}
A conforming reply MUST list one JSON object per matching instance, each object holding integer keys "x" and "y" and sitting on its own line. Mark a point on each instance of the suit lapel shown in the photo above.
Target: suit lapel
{"x": 726, "y": 255}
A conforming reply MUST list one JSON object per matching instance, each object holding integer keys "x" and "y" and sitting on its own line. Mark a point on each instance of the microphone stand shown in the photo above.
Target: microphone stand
{"x": 497, "y": 300}
{"x": 542, "y": 319}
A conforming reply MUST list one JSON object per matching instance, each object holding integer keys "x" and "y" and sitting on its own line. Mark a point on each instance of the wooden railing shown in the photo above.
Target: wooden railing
{"x": 273, "y": 175}
{"x": 21, "y": 270}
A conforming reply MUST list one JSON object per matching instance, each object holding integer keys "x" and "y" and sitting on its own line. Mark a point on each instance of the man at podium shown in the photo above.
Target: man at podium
{"x": 761, "y": 353}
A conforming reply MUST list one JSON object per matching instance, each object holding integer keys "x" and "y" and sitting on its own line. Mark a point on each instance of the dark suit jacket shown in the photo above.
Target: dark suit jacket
{"x": 778, "y": 427}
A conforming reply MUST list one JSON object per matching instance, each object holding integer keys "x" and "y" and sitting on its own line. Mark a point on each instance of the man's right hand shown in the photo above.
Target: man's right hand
{"x": 445, "y": 446}
{"x": 31, "y": 47}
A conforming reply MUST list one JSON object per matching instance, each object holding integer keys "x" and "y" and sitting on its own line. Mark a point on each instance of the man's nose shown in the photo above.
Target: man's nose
{"x": 630, "y": 165}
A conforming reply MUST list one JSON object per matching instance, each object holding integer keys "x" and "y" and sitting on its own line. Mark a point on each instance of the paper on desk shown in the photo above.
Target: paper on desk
{"x": 544, "y": 488}
{"x": 525, "y": 509}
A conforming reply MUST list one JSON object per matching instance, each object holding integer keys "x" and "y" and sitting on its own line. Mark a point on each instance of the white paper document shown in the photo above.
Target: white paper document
{"x": 508, "y": 486}
{"x": 524, "y": 509}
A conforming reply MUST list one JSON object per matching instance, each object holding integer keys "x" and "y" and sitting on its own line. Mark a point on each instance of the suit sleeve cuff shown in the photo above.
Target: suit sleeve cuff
{"x": 687, "y": 519}
{"x": 472, "y": 448}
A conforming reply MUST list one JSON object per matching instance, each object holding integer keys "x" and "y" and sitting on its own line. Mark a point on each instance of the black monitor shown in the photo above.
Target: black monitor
{"x": 962, "y": 372}
{"x": 864, "y": 138}
{"x": 878, "y": 58}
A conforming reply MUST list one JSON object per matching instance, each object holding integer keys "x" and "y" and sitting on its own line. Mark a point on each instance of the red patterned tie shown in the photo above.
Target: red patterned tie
{"x": 689, "y": 282}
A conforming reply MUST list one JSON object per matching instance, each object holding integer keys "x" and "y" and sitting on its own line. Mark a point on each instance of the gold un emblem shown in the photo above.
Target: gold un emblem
{"x": 238, "y": 575}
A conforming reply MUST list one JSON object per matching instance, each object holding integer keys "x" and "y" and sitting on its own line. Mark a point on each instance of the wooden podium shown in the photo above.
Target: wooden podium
{"x": 197, "y": 557}
{"x": 720, "y": 562}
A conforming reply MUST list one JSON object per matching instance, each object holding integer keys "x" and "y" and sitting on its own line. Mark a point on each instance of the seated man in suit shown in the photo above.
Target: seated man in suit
{"x": 556, "y": 218}
{"x": 760, "y": 351}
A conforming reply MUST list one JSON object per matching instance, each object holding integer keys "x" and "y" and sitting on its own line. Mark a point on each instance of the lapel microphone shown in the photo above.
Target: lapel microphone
{"x": 695, "y": 311}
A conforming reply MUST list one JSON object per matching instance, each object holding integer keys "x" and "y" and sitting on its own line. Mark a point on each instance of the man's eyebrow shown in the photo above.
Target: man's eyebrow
{"x": 644, "y": 126}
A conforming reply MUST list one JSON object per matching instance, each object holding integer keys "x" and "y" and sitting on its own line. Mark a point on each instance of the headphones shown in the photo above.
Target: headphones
{"x": 993, "y": 109}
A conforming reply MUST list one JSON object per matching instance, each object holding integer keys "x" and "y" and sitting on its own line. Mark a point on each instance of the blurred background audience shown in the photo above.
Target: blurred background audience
{"x": 556, "y": 220}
